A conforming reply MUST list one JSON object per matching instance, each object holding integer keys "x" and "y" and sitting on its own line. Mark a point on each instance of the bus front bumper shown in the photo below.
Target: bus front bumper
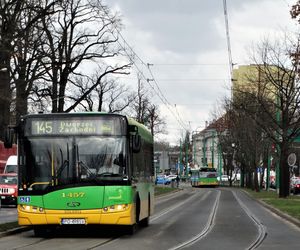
{"x": 35, "y": 216}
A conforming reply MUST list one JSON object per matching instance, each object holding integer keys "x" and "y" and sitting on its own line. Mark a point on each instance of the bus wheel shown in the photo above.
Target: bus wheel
{"x": 132, "y": 229}
{"x": 145, "y": 222}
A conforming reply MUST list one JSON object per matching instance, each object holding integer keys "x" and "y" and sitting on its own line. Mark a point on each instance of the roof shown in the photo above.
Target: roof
{"x": 219, "y": 125}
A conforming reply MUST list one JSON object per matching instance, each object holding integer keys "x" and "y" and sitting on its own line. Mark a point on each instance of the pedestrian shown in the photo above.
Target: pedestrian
{"x": 177, "y": 180}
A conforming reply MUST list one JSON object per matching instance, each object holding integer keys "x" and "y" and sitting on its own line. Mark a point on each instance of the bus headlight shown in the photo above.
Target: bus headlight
{"x": 115, "y": 208}
{"x": 31, "y": 209}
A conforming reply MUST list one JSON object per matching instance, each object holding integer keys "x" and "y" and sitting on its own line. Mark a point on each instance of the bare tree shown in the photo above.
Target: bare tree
{"x": 8, "y": 12}
{"x": 108, "y": 95}
{"x": 79, "y": 33}
{"x": 19, "y": 19}
{"x": 119, "y": 99}
{"x": 26, "y": 59}
{"x": 145, "y": 112}
{"x": 252, "y": 142}
{"x": 155, "y": 122}
{"x": 277, "y": 96}
{"x": 141, "y": 103}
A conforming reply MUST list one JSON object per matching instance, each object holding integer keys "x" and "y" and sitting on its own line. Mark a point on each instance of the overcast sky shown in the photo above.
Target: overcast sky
{"x": 185, "y": 40}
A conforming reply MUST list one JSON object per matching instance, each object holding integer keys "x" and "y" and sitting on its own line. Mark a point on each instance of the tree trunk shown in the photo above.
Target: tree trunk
{"x": 256, "y": 187}
{"x": 242, "y": 177}
{"x": 5, "y": 100}
{"x": 54, "y": 95}
{"x": 284, "y": 178}
{"x": 61, "y": 96}
{"x": 21, "y": 100}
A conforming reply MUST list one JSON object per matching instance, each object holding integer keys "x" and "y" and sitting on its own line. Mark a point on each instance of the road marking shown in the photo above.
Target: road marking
{"x": 155, "y": 217}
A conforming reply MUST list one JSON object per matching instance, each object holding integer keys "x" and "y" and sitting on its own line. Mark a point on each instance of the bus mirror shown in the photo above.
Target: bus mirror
{"x": 133, "y": 129}
{"x": 136, "y": 143}
{"x": 8, "y": 137}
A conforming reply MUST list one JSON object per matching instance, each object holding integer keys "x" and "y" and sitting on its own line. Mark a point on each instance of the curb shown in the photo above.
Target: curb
{"x": 276, "y": 211}
{"x": 283, "y": 215}
{"x": 14, "y": 231}
{"x": 168, "y": 193}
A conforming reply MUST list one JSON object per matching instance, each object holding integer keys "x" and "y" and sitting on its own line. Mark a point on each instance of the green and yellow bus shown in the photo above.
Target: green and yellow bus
{"x": 62, "y": 179}
{"x": 204, "y": 176}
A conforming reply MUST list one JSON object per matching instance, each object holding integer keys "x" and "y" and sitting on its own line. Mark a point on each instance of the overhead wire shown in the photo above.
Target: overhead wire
{"x": 148, "y": 80}
{"x": 190, "y": 64}
{"x": 166, "y": 101}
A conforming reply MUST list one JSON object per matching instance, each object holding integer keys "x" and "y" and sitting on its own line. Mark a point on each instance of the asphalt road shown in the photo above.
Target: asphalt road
{"x": 195, "y": 218}
{"x": 8, "y": 214}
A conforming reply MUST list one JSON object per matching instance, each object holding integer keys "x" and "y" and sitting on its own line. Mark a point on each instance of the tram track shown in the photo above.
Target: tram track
{"x": 110, "y": 240}
{"x": 31, "y": 244}
{"x": 211, "y": 225}
{"x": 262, "y": 231}
{"x": 166, "y": 197}
{"x": 165, "y": 211}
{"x": 156, "y": 217}
{"x": 208, "y": 227}
{"x": 104, "y": 243}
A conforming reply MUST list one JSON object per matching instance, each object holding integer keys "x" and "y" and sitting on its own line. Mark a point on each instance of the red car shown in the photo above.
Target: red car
{"x": 295, "y": 187}
{"x": 9, "y": 189}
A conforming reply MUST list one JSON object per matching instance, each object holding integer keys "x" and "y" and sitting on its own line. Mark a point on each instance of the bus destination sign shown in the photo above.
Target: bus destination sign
{"x": 71, "y": 126}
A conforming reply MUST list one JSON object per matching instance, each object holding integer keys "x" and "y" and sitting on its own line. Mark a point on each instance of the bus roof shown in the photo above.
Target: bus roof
{"x": 142, "y": 129}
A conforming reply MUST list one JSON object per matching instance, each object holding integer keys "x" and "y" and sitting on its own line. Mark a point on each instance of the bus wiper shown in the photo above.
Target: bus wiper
{"x": 64, "y": 164}
{"x": 62, "y": 167}
{"x": 81, "y": 163}
{"x": 108, "y": 174}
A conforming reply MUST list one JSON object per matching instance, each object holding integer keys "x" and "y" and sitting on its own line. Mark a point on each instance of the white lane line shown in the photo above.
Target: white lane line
{"x": 155, "y": 217}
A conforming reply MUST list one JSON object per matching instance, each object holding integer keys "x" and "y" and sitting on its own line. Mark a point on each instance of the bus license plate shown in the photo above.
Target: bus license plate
{"x": 73, "y": 221}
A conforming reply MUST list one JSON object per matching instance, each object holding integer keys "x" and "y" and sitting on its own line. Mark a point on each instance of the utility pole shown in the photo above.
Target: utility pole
{"x": 186, "y": 157}
{"x": 213, "y": 149}
{"x": 180, "y": 159}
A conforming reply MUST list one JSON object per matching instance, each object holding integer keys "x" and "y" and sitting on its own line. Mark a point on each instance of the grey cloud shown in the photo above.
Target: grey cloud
{"x": 181, "y": 26}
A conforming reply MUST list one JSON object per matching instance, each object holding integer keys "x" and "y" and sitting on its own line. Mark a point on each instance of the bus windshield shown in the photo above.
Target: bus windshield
{"x": 208, "y": 173}
{"x": 58, "y": 161}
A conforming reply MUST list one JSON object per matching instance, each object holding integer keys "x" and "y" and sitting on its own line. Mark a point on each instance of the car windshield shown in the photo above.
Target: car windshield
{"x": 8, "y": 180}
{"x": 11, "y": 169}
{"x": 49, "y": 162}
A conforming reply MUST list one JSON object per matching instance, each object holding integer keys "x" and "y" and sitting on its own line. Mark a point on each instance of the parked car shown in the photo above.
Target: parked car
{"x": 273, "y": 184}
{"x": 172, "y": 177}
{"x": 11, "y": 165}
{"x": 8, "y": 188}
{"x": 295, "y": 186}
{"x": 224, "y": 178}
{"x": 162, "y": 179}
